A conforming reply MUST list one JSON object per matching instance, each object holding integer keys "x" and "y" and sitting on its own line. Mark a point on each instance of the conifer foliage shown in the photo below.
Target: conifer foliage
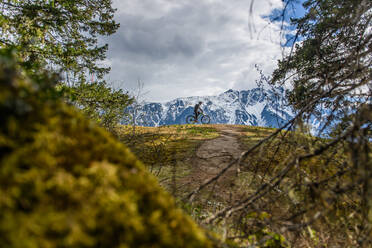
{"x": 62, "y": 35}
{"x": 330, "y": 71}
{"x": 331, "y": 66}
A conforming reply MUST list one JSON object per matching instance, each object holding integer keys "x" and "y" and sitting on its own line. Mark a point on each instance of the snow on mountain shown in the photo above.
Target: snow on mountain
{"x": 255, "y": 107}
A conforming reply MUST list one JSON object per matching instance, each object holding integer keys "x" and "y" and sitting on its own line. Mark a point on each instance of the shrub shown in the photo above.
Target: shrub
{"x": 67, "y": 183}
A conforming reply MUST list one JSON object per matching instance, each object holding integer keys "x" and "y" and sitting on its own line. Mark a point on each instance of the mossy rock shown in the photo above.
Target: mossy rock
{"x": 67, "y": 183}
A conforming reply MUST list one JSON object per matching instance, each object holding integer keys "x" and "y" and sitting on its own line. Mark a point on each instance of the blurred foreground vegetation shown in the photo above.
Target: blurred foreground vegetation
{"x": 67, "y": 183}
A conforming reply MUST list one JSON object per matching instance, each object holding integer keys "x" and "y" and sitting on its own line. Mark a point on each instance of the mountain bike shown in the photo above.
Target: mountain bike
{"x": 204, "y": 119}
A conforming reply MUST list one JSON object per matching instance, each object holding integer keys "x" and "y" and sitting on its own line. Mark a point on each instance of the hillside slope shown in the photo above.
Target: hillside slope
{"x": 194, "y": 163}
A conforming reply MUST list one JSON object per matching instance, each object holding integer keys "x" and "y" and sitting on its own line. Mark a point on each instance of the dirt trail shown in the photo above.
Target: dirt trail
{"x": 211, "y": 157}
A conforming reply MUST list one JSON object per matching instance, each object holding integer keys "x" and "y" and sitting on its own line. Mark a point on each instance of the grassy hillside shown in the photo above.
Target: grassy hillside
{"x": 166, "y": 151}
{"x": 302, "y": 211}
{"x": 65, "y": 182}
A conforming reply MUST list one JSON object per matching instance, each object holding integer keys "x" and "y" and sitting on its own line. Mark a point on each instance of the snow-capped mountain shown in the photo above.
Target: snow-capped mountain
{"x": 256, "y": 107}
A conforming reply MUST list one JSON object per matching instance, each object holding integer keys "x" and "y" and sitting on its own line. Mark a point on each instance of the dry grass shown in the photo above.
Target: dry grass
{"x": 169, "y": 152}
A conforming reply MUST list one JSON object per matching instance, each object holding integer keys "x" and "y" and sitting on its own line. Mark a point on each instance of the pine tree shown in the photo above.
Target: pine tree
{"x": 62, "y": 35}
{"x": 330, "y": 71}
{"x": 59, "y": 33}
{"x": 332, "y": 64}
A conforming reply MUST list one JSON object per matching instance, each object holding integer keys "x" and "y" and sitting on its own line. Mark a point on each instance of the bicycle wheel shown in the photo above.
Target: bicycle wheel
{"x": 190, "y": 119}
{"x": 205, "y": 119}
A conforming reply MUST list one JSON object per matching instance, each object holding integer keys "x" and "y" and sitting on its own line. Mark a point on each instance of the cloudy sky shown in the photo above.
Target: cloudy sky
{"x": 180, "y": 48}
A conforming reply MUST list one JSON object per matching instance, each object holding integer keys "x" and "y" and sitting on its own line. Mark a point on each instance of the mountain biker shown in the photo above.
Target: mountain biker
{"x": 197, "y": 110}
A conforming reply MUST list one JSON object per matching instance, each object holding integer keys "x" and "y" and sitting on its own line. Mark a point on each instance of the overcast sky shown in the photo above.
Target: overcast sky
{"x": 180, "y": 48}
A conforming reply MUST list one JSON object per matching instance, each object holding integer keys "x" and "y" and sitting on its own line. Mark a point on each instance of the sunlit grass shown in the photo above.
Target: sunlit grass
{"x": 160, "y": 148}
{"x": 168, "y": 153}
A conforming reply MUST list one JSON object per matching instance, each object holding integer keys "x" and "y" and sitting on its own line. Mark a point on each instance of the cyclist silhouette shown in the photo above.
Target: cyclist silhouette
{"x": 197, "y": 110}
{"x": 192, "y": 119}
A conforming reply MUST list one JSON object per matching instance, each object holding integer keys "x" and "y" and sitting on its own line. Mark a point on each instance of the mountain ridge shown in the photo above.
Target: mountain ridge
{"x": 255, "y": 107}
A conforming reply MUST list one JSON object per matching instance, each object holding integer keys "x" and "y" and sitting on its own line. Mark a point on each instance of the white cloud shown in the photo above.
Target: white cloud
{"x": 192, "y": 47}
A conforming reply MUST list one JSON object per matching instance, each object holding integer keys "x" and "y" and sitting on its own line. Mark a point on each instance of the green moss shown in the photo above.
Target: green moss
{"x": 67, "y": 183}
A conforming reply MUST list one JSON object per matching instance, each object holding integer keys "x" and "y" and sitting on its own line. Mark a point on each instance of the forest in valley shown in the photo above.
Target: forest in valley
{"x": 72, "y": 176}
